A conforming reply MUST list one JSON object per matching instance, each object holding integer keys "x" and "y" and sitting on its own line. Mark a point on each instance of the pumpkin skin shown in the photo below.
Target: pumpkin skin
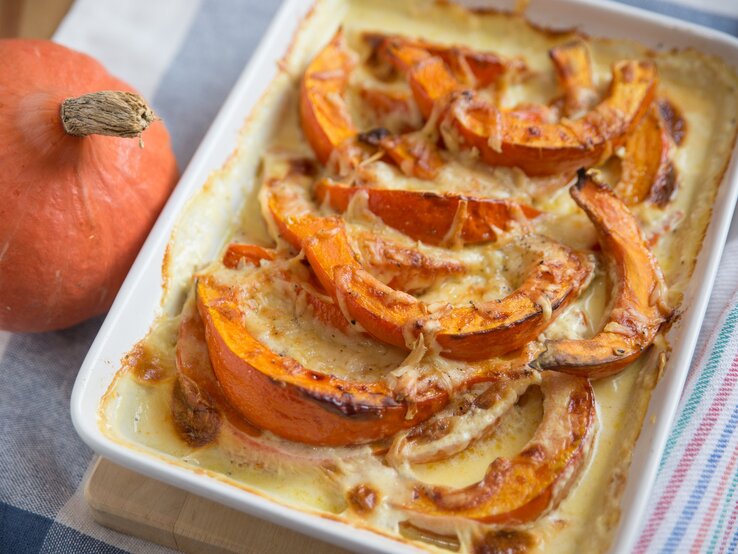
{"x": 75, "y": 210}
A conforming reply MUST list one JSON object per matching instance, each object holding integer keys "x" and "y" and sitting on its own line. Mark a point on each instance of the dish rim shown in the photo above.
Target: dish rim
{"x": 143, "y": 284}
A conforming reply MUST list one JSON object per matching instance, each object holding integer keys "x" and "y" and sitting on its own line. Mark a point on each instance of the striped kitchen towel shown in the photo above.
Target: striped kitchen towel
{"x": 185, "y": 55}
{"x": 694, "y": 505}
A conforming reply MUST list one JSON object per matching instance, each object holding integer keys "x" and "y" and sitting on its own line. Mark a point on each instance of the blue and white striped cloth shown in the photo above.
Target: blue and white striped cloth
{"x": 185, "y": 55}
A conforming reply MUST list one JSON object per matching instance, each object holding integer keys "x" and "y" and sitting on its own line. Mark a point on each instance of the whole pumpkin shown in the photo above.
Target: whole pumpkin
{"x": 74, "y": 210}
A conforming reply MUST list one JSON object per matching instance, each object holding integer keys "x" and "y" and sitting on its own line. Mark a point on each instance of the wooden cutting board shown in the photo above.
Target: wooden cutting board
{"x": 136, "y": 505}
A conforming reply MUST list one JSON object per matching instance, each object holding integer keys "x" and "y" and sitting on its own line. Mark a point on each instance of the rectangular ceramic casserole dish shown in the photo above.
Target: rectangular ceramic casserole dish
{"x": 144, "y": 295}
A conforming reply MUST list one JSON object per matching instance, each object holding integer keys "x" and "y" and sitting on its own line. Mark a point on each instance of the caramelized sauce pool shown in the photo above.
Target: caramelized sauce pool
{"x": 147, "y": 365}
{"x": 674, "y": 121}
{"x": 362, "y": 499}
{"x": 505, "y": 541}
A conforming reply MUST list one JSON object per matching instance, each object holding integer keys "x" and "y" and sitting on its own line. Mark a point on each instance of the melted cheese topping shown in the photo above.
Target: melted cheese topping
{"x": 137, "y": 412}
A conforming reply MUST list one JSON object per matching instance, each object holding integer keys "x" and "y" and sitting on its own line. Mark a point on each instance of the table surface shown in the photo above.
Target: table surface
{"x": 31, "y": 18}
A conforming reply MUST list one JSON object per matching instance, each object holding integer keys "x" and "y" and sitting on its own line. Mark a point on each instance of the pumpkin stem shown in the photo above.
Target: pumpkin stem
{"x": 108, "y": 112}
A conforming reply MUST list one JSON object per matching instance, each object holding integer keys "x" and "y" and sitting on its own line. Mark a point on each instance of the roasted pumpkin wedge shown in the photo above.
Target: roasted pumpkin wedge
{"x": 323, "y": 307}
{"x": 470, "y": 67}
{"x": 430, "y": 79}
{"x": 550, "y": 148}
{"x": 523, "y": 488}
{"x": 323, "y": 111}
{"x": 647, "y": 172}
{"x": 438, "y": 219}
{"x": 198, "y": 404}
{"x": 251, "y": 253}
{"x": 574, "y": 71}
{"x": 329, "y": 128}
{"x": 465, "y": 332}
{"x": 538, "y": 149}
{"x": 402, "y": 267}
{"x": 414, "y": 154}
{"x": 638, "y": 309}
{"x": 201, "y": 411}
{"x": 469, "y": 332}
{"x": 278, "y": 394}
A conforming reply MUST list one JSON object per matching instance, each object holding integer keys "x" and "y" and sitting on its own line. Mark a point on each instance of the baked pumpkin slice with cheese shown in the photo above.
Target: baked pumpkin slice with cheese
{"x": 466, "y": 332}
{"x": 550, "y": 148}
{"x": 274, "y": 391}
{"x": 203, "y": 415}
{"x": 523, "y": 488}
{"x": 503, "y": 139}
{"x": 639, "y": 307}
{"x": 278, "y": 394}
{"x": 324, "y": 113}
{"x": 433, "y": 218}
{"x": 471, "y": 67}
{"x": 647, "y": 173}
{"x": 573, "y": 68}
{"x": 328, "y": 125}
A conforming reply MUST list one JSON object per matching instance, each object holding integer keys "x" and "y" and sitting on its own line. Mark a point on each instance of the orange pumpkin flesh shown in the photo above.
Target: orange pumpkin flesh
{"x": 636, "y": 315}
{"x": 327, "y": 123}
{"x": 324, "y": 114}
{"x": 470, "y": 67}
{"x": 414, "y": 154}
{"x": 464, "y": 332}
{"x": 199, "y": 406}
{"x": 550, "y": 148}
{"x": 574, "y": 71}
{"x": 247, "y": 252}
{"x": 429, "y": 77}
{"x": 429, "y": 216}
{"x": 75, "y": 211}
{"x": 402, "y": 267}
{"x": 523, "y": 488}
{"x": 468, "y": 332}
{"x": 323, "y": 111}
{"x": 200, "y": 409}
{"x": 506, "y": 140}
{"x": 278, "y": 394}
{"x": 647, "y": 173}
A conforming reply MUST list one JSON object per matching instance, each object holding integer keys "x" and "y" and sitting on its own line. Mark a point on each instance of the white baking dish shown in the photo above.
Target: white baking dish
{"x": 139, "y": 300}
